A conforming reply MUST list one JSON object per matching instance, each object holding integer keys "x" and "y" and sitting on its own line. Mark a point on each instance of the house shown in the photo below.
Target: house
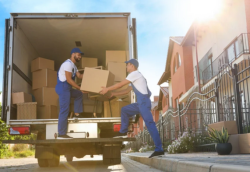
{"x": 205, "y": 57}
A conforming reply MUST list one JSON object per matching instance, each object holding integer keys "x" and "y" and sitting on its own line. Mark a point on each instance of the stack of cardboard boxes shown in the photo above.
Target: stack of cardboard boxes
{"x": 115, "y": 64}
{"x": 44, "y": 80}
{"x": 26, "y": 109}
{"x": 94, "y": 79}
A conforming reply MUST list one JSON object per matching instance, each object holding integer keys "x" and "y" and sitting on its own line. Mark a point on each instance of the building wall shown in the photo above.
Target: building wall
{"x": 217, "y": 34}
{"x": 170, "y": 93}
{"x": 178, "y": 77}
{"x": 183, "y": 79}
{"x": 165, "y": 103}
{"x": 188, "y": 68}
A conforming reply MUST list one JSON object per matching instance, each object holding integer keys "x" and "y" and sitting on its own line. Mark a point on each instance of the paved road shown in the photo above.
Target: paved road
{"x": 86, "y": 164}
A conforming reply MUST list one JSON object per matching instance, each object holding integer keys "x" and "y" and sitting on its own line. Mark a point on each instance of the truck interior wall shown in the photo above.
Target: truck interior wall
{"x": 54, "y": 38}
{"x": 23, "y": 54}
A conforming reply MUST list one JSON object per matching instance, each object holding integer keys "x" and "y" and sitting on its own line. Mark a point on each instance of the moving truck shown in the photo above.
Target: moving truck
{"x": 52, "y": 36}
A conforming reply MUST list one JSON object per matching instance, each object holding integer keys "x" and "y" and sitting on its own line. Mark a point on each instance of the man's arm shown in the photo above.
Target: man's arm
{"x": 114, "y": 87}
{"x": 122, "y": 92}
{"x": 70, "y": 80}
{"x": 79, "y": 75}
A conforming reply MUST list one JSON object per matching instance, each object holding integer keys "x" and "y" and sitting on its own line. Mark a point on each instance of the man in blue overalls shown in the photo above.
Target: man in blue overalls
{"x": 65, "y": 80}
{"x": 143, "y": 106}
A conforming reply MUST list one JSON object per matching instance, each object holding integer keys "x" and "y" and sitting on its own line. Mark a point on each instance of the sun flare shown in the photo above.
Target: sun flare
{"x": 205, "y": 9}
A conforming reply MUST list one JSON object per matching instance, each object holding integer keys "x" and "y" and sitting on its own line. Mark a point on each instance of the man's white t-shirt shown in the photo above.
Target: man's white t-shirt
{"x": 138, "y": 81}
{"x": 68, "y": 66}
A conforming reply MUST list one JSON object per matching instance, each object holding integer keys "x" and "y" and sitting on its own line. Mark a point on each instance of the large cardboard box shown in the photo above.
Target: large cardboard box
{"x": 100, "y": 97}
{"x": 116, "y": 56}
{"x": 116, "y": 107}
{"x": 231, "y": 126}
{"x": 126, "y": 97}
{"x": 42, "y": 63}
{"x": 47, "y": 112}
{"x": 118, "y": 69}
{"x": 87, "y": 62}
{"x": 27, "y": 110}
{"x": 244, "y": 143}
{"x": 21, "y": 97}
{"x": 46, "y": 96}
{"x": 234, "y": 140}
{"x": 89, "y": 106}
{"x": 44, "y": 78}
{"x": 94, "y": 79}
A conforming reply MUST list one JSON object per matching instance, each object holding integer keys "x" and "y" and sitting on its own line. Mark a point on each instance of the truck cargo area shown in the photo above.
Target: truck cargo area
{"x": 54, "y": 38}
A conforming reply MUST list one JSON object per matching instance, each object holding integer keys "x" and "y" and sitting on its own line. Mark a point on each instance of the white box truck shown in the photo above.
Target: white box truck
{"x": 52, "y": 36}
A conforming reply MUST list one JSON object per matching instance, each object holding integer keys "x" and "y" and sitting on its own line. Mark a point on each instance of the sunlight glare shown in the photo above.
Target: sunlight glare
{"x": 206, "y": 9}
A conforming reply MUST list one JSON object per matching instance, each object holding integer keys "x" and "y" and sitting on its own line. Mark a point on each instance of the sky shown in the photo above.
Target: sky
{"x": 157, "y": 20}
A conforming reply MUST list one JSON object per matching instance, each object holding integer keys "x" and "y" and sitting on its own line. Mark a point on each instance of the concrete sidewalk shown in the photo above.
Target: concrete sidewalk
{"x": 195, "y": 162}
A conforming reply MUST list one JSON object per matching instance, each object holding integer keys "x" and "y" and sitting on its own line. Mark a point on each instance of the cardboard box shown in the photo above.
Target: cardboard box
{"x": 118, "y": 69}
{"x": 94, "y": 79}
{"x": 126, "y": 97}
{"x": 116, "y": 56}
{"x": 244, "y": 143}
{"x": 47, "y": 112}
{"x": 21, "y": 97}
{"x": 89, "y": 106}
{"x": 46, "y": 96}
{"x": 100, "y": 97}
{"x": 44, "y": 78}
{"x": 87, "y": 62}
{"x": 231, "y": 126}
{"x": 234, "y": 140}
{"x": 42, "y": 63}
{"x": 27, "y": 110}
{"x": 116, "y": 107}
{"x": 79, "y": 81}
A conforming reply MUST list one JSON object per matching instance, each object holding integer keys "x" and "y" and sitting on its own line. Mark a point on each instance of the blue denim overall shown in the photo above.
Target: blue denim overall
{"x": 65, "y": 93}
{"x": 143, "y": 106}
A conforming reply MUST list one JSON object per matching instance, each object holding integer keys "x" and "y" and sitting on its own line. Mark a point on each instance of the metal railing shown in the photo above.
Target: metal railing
{"x": 238, "y": 47}
{"x": 227, "y": 99}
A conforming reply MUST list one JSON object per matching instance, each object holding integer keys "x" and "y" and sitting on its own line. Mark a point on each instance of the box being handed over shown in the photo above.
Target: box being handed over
{"x": 94, "y": 79}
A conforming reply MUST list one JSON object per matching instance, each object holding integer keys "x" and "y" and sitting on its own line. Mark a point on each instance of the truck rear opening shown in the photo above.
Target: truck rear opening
{"x": 52, "y": 36}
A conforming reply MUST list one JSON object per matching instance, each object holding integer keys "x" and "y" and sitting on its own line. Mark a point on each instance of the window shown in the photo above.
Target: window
{"x": 196, "y": 74}
{"x": 233, "y": 51}
{"x": 176, "y": 102}
{"x": 175, "y": 67}
{"x": 179, "y": 59}
{"x": 210, "y": 67}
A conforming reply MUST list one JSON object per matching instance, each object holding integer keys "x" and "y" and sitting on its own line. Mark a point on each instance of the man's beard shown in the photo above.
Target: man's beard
{"x": 76, "y": 59}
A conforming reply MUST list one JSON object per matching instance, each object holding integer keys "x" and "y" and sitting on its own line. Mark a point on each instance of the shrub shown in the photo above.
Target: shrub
{"x": 187, "y": 142}
{"x": 130, "y": 150}
{"x": 146, "y": 147}
{"x": 22, "y": 154}
{"x": 19, "y": 147}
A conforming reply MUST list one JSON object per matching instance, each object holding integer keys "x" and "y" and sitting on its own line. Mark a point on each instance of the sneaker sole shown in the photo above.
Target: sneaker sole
{"x": 121, "y": 137}
{"x": 63, "y": 138}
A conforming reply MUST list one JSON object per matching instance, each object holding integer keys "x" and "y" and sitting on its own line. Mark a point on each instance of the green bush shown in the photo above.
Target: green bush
{"x": 4, "y": 151}
{"x": 146, "y": 147}
{"x": 25, "y": 153}
{"x": 187, "y": 142}
{"x": 19, "y": 147}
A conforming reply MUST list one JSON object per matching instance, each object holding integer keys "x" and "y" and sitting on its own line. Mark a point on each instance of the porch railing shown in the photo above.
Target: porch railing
{"x": 238, "y": 47}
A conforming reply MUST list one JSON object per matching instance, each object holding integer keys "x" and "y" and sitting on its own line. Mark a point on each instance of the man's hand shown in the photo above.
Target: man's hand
{"x": 112, "y": 95}
{"x": 84, "y": 91}
{"x": 104, "y": 90}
